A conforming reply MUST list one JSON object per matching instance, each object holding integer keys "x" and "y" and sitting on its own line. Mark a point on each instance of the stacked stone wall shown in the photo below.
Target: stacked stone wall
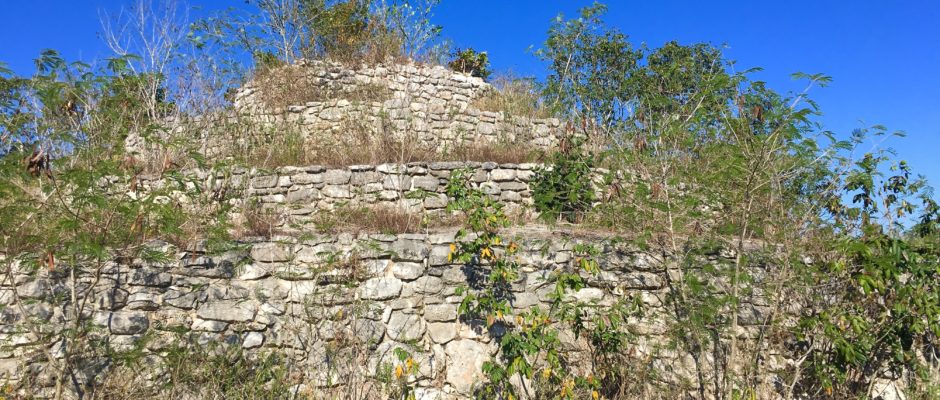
{"x": 299, "y": 194}
{"x": 310, "y": 298}
{"x": 431, "y": 105}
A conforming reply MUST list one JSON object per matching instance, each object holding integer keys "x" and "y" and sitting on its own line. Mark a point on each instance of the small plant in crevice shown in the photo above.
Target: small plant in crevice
{"x": 400, "y": 374}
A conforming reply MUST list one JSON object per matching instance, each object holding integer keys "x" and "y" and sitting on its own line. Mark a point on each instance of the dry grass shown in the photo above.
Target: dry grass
{"x": 383, "y": 219}
{"x": 513, "y": 96}
{"x": 259, "y": 222}
{"x": 366, "y": 148}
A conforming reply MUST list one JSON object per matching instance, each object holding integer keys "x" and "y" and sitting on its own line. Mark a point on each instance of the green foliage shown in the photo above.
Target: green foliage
{"x": 588, "y": 67}
{"x": 470, "y": 61}
{"x": 714, "y": 163}
{"x": 530, "y": 344}
{"x": 881, "y": 310}
{"x": 70, "y": 196}
{"x": 564, "y": 188}
{"x": 348, "y": 31}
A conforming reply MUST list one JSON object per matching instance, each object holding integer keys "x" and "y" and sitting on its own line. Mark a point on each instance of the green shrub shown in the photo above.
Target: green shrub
{"x": 563, "y": 189}
{"x": 469, "y": 61}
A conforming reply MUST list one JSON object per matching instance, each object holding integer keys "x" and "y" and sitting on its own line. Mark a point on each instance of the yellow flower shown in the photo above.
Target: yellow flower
{"x": 497, "y": 241}
{"x": 512, "y": 247}
{"x": 547, "y": 373}
{"x": 398, "y": 371}
{"x": 409, "y": 363}
{"x": 519, "y": 320}
{"x": 595, "y": 395}
{"x": 499, "y": 314}
{"x": 486, "y": 253}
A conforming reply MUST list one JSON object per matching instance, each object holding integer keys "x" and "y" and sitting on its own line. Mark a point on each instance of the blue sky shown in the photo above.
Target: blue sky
{"x": 884, "y": 56}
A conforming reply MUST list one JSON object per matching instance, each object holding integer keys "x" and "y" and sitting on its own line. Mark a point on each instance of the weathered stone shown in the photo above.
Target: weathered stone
{"x": 337, "y": 191}
{"x": 440, "y": 312}
{"x": 112, "y": 299}
{"x": 440, "y": 255}
{"x": 502, "y": 175}
{"x": 428, "y": 285}
{"x": 271, "y": 252}
{"x": 300, "y": 195}
{"x": 263, "y": 182}
{"x": 150, "y": 277}
{"x": 466, "y": 358}
{"x": 362, "y": 178}
{"x": 409, "y": 250}
{"x": 186, "y": 301}
{"x": 380, "y": 288}
{"x": 35, "y": 289}
{"x": 588, "y": 295}
{"x": 396, "y": 182}
{"x": 337, "y": 176}
{"x": 407, "y": 271}
{"x": 202, "y": 325}
{"x": 228, "y": 311}
{"x": 252, "y": 272}
{"x": 442, "y": 332}
{"x": 252, "y": 340}
{"x": 306, "y": 179}
{"x": 405, "y": 327}
{"x": 369, "y": 331}
{"x": 428, "y": 183}
{"x": 643, "y": 280}
{"x": 516, "y": 186}
{"x": 128, "y": 323}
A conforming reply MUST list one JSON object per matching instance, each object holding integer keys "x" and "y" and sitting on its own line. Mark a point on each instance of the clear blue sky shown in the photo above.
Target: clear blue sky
{"x": 884, "y": 55}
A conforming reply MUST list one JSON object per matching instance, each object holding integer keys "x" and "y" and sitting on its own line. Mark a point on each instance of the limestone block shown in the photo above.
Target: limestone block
{"x": 380, "y": 288}
{"x": 271, "y": 252}
{"x": 465, "y": 363}
{"x": 228, "y": 311}
{"x": 405, "y": 327}
{"x": 440, "y": 312}
{"x": 128, "y": 323}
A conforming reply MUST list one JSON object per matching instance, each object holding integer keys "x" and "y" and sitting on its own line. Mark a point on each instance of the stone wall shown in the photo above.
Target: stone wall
{"x": 429, "y": 104}
{"x": 317, "y": 300}
{"x": 298, "y": 194}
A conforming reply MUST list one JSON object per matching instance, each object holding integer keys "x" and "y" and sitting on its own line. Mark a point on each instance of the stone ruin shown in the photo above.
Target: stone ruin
{"x": 323, "y": 300}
